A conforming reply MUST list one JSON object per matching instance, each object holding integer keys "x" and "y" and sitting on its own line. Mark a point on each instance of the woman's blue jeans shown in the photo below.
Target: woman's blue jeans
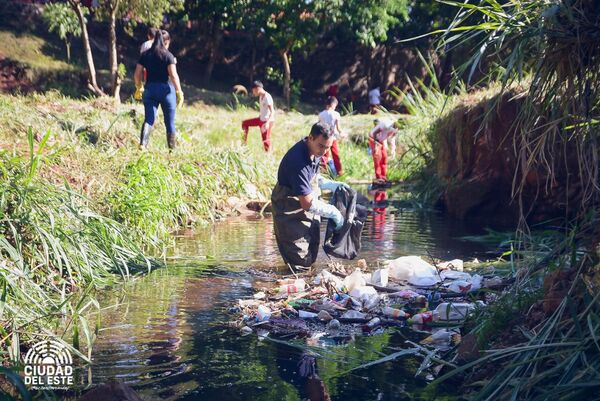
{"x": 163, "y": 94}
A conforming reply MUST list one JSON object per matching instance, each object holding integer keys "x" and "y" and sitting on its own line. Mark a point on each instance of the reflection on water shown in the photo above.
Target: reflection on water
{"x": 165, "y": 334}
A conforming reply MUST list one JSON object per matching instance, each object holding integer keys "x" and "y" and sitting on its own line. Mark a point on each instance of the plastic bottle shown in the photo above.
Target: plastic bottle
{"x": 264, "y": 313}
{"x": 380, "y": 277}
{"x": 422, "y": 318}
{"x": 453, "y": 311}
{"x": 394, "y": 313}
{"x": 374, "y": 323}
{"x": 306, "y": 315}
{"x": 292, "y": 288}
{"x": 354, "y": 314}
{"x": 406, "y": 294}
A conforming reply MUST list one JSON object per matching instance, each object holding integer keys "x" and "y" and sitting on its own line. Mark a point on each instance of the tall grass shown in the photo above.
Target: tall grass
{"x": 55, "y": 250}
{"x": 540, "y": 355}
{"x": 556, "y": 43}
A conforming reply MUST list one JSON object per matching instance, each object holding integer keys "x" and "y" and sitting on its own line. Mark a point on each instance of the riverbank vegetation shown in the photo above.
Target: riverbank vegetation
{"x": 538, "y": 341}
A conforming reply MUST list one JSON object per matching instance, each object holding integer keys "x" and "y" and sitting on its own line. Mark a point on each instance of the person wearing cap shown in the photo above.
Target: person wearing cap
{"x": 297, "y": 208}
{"x": 266, "y": 118}
{"x": 385, "y": 129}
{"x": 332, "y": 118}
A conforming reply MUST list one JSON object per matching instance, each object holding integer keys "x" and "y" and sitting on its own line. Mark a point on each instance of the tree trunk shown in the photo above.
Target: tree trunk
{"x": 287, "y": 77}
{"x": 92, "y": 84}
{"x": 68, "y": 47}
{"x": 115, "y": 80}
{"x": 216, "y": 37}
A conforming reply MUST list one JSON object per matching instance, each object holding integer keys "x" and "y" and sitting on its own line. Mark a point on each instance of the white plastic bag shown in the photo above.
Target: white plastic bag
{"x": 454, "y": 264}
{"x": 354, "y": 280}
{"x": 406, "y": 266}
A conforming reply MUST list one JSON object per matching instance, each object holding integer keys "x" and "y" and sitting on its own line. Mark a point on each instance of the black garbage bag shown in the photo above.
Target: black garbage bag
{"x": 345, "y": 244}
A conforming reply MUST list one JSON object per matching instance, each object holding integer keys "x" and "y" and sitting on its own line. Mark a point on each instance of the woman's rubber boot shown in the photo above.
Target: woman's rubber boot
{"x": 171, "y": 141}
{"x": 145, "y": 135}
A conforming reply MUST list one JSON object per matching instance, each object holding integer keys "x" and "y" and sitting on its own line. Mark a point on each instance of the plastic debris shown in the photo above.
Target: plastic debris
{"x": 394, "y": 313}
{"x": 306, "y": 315}
{"x": 264, "y": 313}
{"x": 354, "y": 280}
{"x": 324, "y": 316}
{"x": 453, "y": 311}
{"x": 406, "y": 266}
{"x": 454, "y": 264}
{"x": 380, "y": 277}
{"x": 342, "y": 302}
{"x": 292, "y": 287}
{"x": 354, "y": 314}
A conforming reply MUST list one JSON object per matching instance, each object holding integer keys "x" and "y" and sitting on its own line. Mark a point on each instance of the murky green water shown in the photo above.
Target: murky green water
{"x": 164, "y": 334}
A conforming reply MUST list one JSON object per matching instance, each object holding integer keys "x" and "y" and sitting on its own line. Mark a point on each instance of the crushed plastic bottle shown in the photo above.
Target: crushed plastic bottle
{"x": 371, "y": 302}
{"x": 264, "y": 313}
{"x": 405, "y": 294}
{"x": 422, "y": 318}
{"x": 354, "y": 314}
{"x": 306, "y": 315}
{"x": 294, "y": 287}
{"x": 380, "y": 277}
{"x": 371, "y": 324}
{"x": 453, "y": 311}
{"x": 325, "y": 277}
{"x": 394, "y": 313}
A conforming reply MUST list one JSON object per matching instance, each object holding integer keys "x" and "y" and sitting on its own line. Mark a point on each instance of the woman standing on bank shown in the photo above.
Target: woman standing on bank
{"x": 162, "y": 87}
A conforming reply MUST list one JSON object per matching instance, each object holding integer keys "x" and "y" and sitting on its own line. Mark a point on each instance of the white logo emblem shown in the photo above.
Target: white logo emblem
{"x": 48, "y": 366}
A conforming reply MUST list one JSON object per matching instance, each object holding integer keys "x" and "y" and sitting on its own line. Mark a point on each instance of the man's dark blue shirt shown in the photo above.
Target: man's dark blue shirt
{"x": 297, "y": 170}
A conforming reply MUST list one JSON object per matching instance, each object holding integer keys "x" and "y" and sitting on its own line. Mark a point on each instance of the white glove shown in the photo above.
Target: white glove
{"x": 327, "y": 184}
{"x": 328, "y": 211}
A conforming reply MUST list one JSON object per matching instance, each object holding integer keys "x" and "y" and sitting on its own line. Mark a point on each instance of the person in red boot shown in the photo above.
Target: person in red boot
{"x": 265, "y": 120}
{"x": 331, "y": 118}
{"x": 378, "y": 137}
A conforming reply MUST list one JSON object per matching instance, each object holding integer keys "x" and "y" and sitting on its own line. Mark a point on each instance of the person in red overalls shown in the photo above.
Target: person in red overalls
{"x": 378, "y": 137}
{"x": 265, "y": 120}
{"x": 331, "y": 119}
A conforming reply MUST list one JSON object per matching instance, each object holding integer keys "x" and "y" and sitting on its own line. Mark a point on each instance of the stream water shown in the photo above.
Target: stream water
{"x": 163, "y": 333}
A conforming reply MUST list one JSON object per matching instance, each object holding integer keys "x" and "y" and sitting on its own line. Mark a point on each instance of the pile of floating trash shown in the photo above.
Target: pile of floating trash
{"x": 407, "y": 291}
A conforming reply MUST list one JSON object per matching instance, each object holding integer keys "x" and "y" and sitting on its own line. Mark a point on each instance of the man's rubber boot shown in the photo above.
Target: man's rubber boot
{"x": 172, "y": 141}
{"x": 145, "y": 135}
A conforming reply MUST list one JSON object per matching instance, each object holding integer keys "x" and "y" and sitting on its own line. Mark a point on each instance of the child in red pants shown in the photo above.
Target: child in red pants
{"x": 265, "y": 120}
{"x": 378, "y": 137}
{"x": 332, "y": 118}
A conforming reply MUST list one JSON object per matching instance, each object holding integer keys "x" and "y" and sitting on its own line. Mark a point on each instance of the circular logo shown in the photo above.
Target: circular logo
{"x": 48, "y": 366}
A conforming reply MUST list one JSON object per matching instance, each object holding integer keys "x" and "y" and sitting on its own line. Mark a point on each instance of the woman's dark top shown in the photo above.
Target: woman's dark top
{"x": 156, "y": 66}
